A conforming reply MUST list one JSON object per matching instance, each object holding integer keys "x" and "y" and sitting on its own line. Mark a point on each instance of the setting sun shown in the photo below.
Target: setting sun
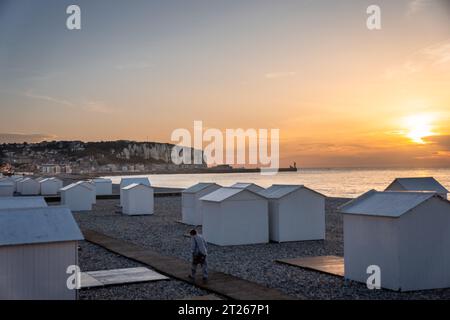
{"x": 419, "y": 127}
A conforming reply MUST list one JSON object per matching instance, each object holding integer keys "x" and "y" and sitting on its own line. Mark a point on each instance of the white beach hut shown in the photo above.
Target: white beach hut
{"x": 29, "y": 187}
{"x": 418, "y": 184}
{"x": 103, "y": 186}
{"x": 296, "y": 213}
{"x": 50, "y": 186}
{"x": 6, "y": 188}
{"x": 15, "y": 180}
{"x": 9, "y": 180}
{"x": 405, "y": 234}
{"x": 127, "y": 181}
{"x": 60, "y": 183}
{"x": 249, "y": 186}
{"x": 77, "y": 196}
{"x": 36, "y": 247}
{"x": 18, "y": 183}
{"x": 137, "y": 199}
{"x": 22, "y": 202}
{"x": 233, "y": 216}
{"x": 191, "y": 206}
{"x": 90, "y": 186}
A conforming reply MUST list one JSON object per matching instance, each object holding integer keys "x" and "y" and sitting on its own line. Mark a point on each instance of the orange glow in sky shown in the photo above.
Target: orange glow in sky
{"x": 340, "y": 94}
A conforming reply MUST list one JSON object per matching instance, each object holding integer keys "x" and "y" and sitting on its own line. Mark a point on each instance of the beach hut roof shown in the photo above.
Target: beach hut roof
{"x": 199, "y": 187}
{"x": 101, "y": 180}
{"x": 83, "y": 182}
{"x": 22, "y": 202}
{"x": 86, "y": 184}
{"x": 49, "y": 179}
{"x": 278, "y": 191}
{"x": 6, "y": 183}
{"x": 225, "y": 193}
{"x": 76, "y": 185}
{"x": 38, "y": 225}
{"x": 134, "y": 185}
{"x": 244, "y": 185}
{"x": 418, "y": 184}
{"x": 391, "y": 204}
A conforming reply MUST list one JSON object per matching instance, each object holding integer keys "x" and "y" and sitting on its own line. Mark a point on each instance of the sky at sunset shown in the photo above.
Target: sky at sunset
{"x": 341, "y": 95}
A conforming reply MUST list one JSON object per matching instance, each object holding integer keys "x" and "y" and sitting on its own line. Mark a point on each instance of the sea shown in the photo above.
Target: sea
{"x": 346, "y": 183}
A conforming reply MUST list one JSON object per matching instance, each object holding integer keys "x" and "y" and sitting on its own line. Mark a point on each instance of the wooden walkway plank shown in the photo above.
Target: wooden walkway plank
{"x": 326, "y": 264}
{"x": 223, "y": 284}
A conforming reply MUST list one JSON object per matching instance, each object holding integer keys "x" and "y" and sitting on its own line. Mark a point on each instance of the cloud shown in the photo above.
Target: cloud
{"x": 438, "y": 155}
{"x": 32, "y": 95}
{"x": 438, "y": 54}
{"x": 23, "y": 137}
{"x": 89, "y": 106}
{"x": 276, "y": 75}
{"x": 98, "y": 107}
{"x": 443, "y": 142}
{"x": 322, "y": 154}
{"x": 331, "y": 147}
{"x": 435, "y": 56}
{"x": 415, "y": 6}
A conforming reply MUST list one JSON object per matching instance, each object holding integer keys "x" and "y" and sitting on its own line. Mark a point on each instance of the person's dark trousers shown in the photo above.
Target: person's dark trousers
{"x": 200, "y": 260}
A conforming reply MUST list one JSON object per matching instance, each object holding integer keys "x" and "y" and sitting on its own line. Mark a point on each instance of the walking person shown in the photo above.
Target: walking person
{"x": 199, "y": 253}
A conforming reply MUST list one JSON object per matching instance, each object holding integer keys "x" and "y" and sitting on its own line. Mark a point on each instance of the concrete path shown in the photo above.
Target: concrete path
{"x": 223, "y": 284}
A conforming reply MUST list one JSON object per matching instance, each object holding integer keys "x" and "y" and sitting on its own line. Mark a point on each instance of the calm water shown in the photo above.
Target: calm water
{"x": 331, "y": 182}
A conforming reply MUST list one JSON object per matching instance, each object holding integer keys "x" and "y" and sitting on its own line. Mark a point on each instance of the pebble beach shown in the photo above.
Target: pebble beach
{"x": 163, "y": 232}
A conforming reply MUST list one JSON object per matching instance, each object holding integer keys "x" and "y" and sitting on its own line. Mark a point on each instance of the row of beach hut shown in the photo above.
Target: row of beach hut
{"x": 246, "y": 213}
{"x": 136, "y": 195}
{"x": 81, "y": 195}
{"x": 29, "y": 186}
{"x": 45, "y": 186}
{"x": 404, "y": 230}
